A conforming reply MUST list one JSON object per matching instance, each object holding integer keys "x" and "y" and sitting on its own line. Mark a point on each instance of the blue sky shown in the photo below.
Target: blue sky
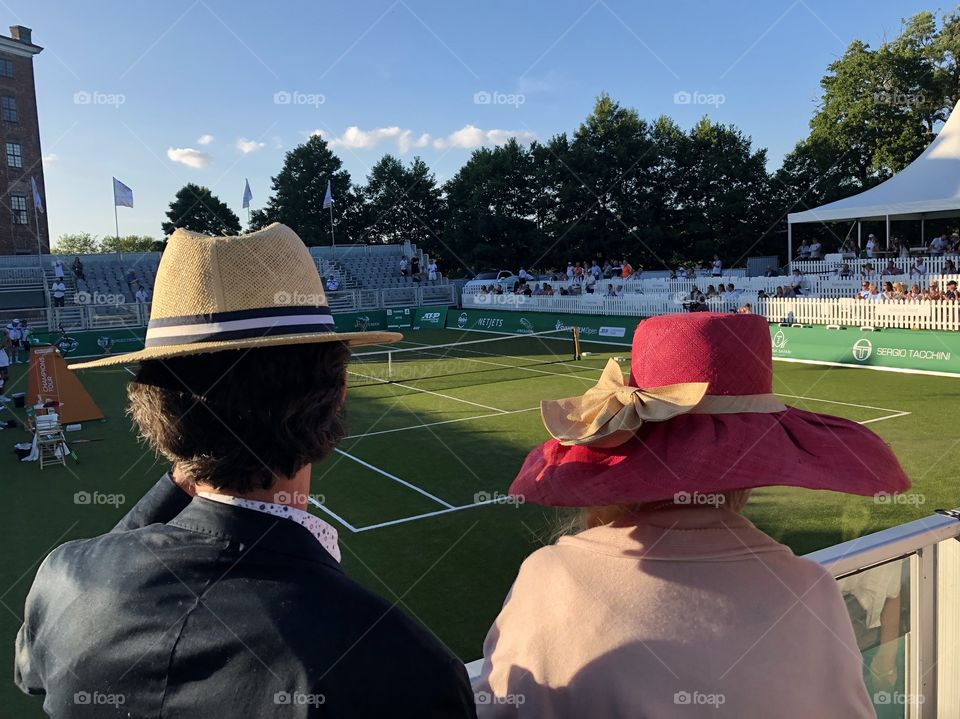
{"x": 163, "y": 93}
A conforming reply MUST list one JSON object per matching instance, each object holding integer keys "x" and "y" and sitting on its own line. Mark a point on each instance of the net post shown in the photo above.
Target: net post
{"x": 576, "y": 343}
{"x": 390, "y": 365}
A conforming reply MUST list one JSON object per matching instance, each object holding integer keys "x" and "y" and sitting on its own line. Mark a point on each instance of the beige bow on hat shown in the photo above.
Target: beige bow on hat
{"x": 611, "y": 412}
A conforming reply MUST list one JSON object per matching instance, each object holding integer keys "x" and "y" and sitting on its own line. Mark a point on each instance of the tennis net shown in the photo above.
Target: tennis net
{"x": 489, "y": 359}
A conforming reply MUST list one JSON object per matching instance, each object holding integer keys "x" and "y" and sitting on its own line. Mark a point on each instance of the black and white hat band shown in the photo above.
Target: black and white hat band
{"x": 239, "y": 324}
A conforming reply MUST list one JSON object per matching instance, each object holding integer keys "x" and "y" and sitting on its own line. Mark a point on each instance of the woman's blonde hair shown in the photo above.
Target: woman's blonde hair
{"x": 583, "y": 518}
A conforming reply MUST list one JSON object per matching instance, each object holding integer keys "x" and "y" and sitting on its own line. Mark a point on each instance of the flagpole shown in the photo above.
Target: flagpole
{"x": 36, "y": 220}
{"x": 333, "y": 239}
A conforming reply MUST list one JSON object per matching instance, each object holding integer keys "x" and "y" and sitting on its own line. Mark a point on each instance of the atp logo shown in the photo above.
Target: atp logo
{"x": 462, "y": 320}
{"x": 862, "y": 349}
{"x": 780, "y": 340}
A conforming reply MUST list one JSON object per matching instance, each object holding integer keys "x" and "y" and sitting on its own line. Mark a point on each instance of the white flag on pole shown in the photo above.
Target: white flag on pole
{"x": 247, "y": 194}
{"x": 122, "y": 195}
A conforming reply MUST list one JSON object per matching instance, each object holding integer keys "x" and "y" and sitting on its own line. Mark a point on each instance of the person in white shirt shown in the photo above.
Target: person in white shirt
{"x": 570, "y": 271}
{"x": 595, "y": 270}
{"x": 919, "y": 268}
{"x": 619, "y": 292}
{"x": 717, "y": 268}
{"x": 15, "y": 333}
{"x": 4, "y": 364}
{"x": 58, "y": 269}
{"x": 864, "y": 292}
{"x": 59, "y": 292}
{"x": 938, "y": 245}
{"x": 815, "y": 250}
{"x": 432, "y": 270}
{"x": 804, "y": 250}
{"x": 141, "y": 295}
{"x": 332, "y": 284}
{"x": 589, "y": 282}
{"x": 871, "y": 245}
{"x": 522, "y": 274}
{"x": 403, "y": 266}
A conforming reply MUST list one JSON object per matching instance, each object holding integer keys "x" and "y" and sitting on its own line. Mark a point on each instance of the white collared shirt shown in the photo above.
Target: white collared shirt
{"x": 322, "y": 532}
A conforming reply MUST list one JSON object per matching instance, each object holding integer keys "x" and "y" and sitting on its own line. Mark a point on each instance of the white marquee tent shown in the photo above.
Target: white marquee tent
{"x": 929, "y": 187}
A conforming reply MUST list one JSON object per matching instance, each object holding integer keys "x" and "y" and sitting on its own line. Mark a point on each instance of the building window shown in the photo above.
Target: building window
{"x": 14, "y": 156}
{"x": 18, "y": 206}
{"x": 8, "y": 108}
{"x": 6, "y": 68}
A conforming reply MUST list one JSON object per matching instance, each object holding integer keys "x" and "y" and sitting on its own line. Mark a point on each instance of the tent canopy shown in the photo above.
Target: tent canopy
{"x": 929, "y": 187}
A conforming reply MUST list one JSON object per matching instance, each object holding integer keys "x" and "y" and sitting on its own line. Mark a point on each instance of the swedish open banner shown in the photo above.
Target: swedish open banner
{"x": 593, "y": 328}
{"x": 430, "y": 318}
{"x": 926, "y": 350}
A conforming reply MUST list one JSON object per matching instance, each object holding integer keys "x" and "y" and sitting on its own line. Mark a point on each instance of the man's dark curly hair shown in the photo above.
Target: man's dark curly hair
{"x": 238, "y": 419}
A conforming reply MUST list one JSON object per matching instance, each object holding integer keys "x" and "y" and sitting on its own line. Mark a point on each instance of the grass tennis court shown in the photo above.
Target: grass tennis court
{"x": 415, "y": 490}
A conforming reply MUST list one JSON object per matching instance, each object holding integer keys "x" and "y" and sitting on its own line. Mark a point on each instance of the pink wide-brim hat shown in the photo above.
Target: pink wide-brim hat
{"x": 697, "y": 416}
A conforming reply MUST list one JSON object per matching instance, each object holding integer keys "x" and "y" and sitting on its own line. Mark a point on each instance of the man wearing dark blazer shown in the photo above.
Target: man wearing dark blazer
{"x": 218, "y": 595}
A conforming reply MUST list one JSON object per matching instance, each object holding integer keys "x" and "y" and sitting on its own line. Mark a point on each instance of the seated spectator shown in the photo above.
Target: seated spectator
{"x": 771, "y": 272}
{"x": 891, "y": 269}
{"x": 498, "y": 289}
{"x": 548, "y": 290}
{"x": 919, "y": 268}
{"x": 815, "y": 249}
{"x": 888, "y": 291}
{"x": 746, "y": 309}
{"x": 847, "y": 249}
{"x": 619, "y": 291}
{"x": 869, "y": 270}
{"x": 933, "y": 291}
{"x": 655, "y": 590}
{"x": 589, "y": 282}
{"x": 564, "y": 292}
{"x": 915, "y": 293}
{"x": 875, "y": 294}
{"x": 796, "y": 281}
{"x": 789, "y": 291}
{"x": 939, "y": 245}
{"x": 954, "y": 242}
{"x": 610, "y": 291}
{"x": 141, "y": 295}
{"x": 864, "y": 292}
{"x": 899, "y": 290}
{"x": 690, "y": 273}
{"x": 711, "y": 292}
{"x": 537, "y": 290}
{"x": 951, "y": 292}
{"x": 482, "y": 292}
{"x": 762, "y": 295}
{"x": 845, "y": 272}
{"x": 949, "y": 268}
{"x": 778, "y": 293}
{"x": 333, "y": 284}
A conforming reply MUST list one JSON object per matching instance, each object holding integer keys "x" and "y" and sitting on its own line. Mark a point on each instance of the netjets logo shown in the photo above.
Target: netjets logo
{"x": 66, "y": 345}
{"x": 779, "y": 340}
{"x": 462, "y": 320}
{"x": 862, "y": 349}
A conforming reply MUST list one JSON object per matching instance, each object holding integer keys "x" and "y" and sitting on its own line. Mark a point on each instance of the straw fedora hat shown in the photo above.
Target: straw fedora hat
{"x": 226, "y": 293}
{"x": 697, "y": 415}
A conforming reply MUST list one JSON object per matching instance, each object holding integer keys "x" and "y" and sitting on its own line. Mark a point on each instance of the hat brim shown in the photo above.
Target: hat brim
{"x": 714, "y": 453}
{"x": 354, "y": 339}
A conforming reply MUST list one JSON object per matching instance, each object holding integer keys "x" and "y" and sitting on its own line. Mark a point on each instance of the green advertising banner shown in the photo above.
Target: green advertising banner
{"x": 430, "y": 318}
{"x": 93, "y": 343}
{"x": 360, "y": 321}
{"x": 593, "y": 328}
{"x": 926, "y": 351}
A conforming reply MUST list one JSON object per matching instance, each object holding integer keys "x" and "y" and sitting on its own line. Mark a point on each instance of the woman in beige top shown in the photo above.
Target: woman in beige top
{"x": 669, "y": 603}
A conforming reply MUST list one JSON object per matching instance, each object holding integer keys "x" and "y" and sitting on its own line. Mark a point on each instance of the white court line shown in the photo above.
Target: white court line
{"x": 434, "y": 424}
{"x": 402, "y": 520}
{"x": 833, "y": 401}
{"x": 414, "y": 487}
{"x": 319, "y": 505}
{"x": 427, "y": 391}
{"x": 889, "y": 416}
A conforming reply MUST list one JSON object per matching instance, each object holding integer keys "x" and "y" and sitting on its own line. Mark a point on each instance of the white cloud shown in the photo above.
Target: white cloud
{"x": 467, "y": 137}
{"x": 51, "y": 158}
{"x": 245, "y": 145}
{"x": 470, "y": 137}
{"x": 189, "y": 157}
{"x": 204, "y": 139}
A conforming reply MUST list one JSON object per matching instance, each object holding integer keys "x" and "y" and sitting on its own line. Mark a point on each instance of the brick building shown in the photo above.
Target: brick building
{"x": 20, "y": 158}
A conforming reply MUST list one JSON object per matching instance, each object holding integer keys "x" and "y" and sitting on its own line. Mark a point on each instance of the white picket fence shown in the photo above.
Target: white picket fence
{"x": 832, "y": 264}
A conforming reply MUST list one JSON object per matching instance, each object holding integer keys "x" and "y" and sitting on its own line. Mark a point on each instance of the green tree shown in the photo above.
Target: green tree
{"x": 77, "y": 243}
{"x": 492, "y": 211}
{"x": 197, "y": 209}
{"x": 129, "y": 243}
{"x": 298, "y": 192}
{"x": 401, "y": 203}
